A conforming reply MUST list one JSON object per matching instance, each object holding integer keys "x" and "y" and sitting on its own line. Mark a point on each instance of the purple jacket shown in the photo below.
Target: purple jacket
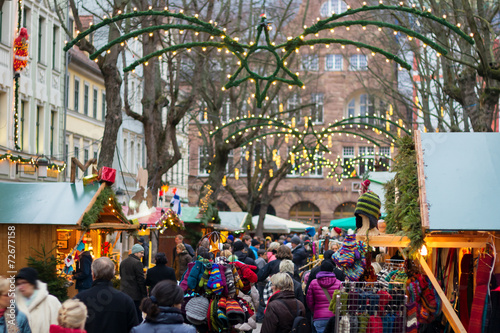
{"x": 316, "y": 298}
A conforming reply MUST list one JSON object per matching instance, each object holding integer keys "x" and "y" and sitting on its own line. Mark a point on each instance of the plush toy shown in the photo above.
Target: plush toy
{"x": 21, "y": 52}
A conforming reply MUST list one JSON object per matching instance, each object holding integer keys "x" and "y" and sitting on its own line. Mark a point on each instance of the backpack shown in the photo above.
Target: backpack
{"x": 300, "y": 322}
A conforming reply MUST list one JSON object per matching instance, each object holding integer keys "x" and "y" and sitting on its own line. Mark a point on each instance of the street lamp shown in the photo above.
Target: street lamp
{"x": 42, "y": 163}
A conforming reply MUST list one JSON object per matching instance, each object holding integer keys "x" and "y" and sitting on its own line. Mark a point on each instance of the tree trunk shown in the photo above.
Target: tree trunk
{"x": 259, "y": 230}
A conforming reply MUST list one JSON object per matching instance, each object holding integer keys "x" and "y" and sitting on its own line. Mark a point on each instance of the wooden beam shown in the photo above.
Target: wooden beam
{"x": 448, "y": 311}
{"x": 422, "y": 193}
{"x": 115, "y": 226}
{"x": 92, "y": 202}
{"x": 431, "y": 240}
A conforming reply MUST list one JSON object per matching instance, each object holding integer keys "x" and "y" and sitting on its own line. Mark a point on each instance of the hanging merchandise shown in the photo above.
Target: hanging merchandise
{"x": 351, "y": 257}
{"x": 483, "y": 276}
{"x": 21, "y": 57}
{"x": 369, "y": 307}
{"x": 219, "y": 294}
{"x": 466, "y": 288}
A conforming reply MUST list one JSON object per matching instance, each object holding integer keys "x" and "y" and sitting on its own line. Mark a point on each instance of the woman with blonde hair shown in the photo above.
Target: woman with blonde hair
{"x": 184, "y": 258}
{"x": 282, "y": 307}
{"x": 272, "y": 250}
{"x": 71, "y": 317}
{"x": 9, "y": 311}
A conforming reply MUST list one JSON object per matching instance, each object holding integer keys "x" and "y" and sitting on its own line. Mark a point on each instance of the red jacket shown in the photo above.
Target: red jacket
{"x": 316, "y": 298}
{"x": 59, "y": 329}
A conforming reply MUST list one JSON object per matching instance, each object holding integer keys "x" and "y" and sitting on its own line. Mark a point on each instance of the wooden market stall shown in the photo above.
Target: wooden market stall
{"x": 58, "y": 217}
{"x": 458, "y": 181}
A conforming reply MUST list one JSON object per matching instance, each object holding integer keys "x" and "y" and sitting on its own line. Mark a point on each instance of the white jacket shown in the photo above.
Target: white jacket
{"x": 42, "y": 311}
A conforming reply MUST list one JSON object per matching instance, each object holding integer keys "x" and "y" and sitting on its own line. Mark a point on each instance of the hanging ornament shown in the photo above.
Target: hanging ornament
{"x": 21, "y": 57}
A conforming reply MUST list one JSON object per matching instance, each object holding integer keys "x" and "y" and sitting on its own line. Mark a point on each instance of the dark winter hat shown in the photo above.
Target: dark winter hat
{"x": 29, "y": 274}
{"x": 255, "y": 242}
{"x": 238, "y": 246}
{"x": 234, "y": 312}
{"x": 327, "y": 266}
{"x": 368, "y": 205}
{"x": 231, "y": 238}
{"x": 196, "y": 310}
{"x": 295, "y": 240}
{"x": 328, "y": 254}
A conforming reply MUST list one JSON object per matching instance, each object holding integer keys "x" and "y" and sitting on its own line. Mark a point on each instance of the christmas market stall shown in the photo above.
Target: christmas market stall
{"x": 68, "y": 218}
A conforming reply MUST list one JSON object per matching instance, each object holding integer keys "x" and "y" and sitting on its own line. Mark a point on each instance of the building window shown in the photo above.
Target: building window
{"x": 103, "y": 106}
{"x": 94, "y": 104}
{"x": 39, "y": 126}
{"x": 316, "y": 170}
{"x": 366, "y": 159}
{"x": 1, "y": 23}
{"x": 95, "y": 154}
{"x": 244, "y": 160}
{"x": 292, "y": 106}
{"x": 230, "y": 162}
{"x": 22, "y": 127}
{"x": 76, "y": 100}
{"x": 203, "y": 160}
{"x": 53, "y": 119}
{"x": 384, "y": 160}
{"x": 226, "y": 110}
{"x": 344, "y": 210}
{"x": 310, "y": 62}
{"x": 365, "y": 105}
{"x": 55, "y": 46}
{"x": 203, "y": 117}
{"x": 332, "y": 6}
{"x": 86, "y": 99}
{"x": 131, "y": 164}
{"x": 358, "y": 62}
{"x": 317, "y": 108}
{"x": 305, "y": 211}
{"x": 85, "y": 159}
{"x": 125, "y": 152}
{"x": 348, "y": 162}
{"x": 295, "y": 170}
{"x": 334, "y": 62}
{"x": 76, "y": 154}
{"x": 41, "y": 27}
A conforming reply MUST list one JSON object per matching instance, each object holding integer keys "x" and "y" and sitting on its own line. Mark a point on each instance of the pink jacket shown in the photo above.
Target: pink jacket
{"x": 316, "y": 298}
{"x": 270, "y": 256}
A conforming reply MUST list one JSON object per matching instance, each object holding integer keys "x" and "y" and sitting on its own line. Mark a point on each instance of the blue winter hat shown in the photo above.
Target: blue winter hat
{"x": 137, "y": 248}
{"x": 231, "y": 238}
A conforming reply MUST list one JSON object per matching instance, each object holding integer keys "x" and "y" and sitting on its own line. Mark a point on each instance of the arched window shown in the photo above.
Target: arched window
{"x": 305, "y": 211}
{"x": 332, "y": 6}
{"x": 344, "y": 210}
{"x": 270, "y": 210}
{"x": 365, "y": 105}
{"x": 222, "y": 206}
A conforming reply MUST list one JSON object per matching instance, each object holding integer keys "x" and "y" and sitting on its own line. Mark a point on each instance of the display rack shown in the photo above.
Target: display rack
{"x": 370, "y": 306}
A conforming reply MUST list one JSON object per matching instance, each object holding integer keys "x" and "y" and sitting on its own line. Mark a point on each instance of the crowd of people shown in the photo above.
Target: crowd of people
{"x": 155, "y": 301}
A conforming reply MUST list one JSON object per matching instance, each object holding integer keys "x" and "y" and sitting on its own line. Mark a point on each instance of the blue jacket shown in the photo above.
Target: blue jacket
{"x": 169, "y": 320}
{"x": 21, "y": 319}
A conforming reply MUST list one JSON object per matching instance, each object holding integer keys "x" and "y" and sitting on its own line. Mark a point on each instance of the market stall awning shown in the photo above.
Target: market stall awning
{"x": 44, "y": 203}
{"x": 188, "y": 214}
{"x": 231, "y": 221}
{"x": 347, "y": 223}
{"x": 274, "y": 224}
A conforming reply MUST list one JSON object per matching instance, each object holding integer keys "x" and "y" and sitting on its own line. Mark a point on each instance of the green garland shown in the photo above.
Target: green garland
{"x": 244, "y": 51}
{"x": 16, "y": 84}
{"x": 97, "y": 208}
{"x": 402, "y": 200}
{"x": 211, "y": 215}
{"x": 19, "y": 159}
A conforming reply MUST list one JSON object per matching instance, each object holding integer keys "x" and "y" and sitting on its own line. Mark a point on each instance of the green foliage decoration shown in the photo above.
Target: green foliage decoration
{"x": 45, "y": 263}
{"x": 102, "y": 200}
{"x": 402, "y": 201}
{"x": 211, "y": 214}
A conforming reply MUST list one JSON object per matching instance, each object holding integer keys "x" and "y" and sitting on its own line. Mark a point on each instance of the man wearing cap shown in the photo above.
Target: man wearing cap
{"x": 132, "y": 278}
{"x": 298, "y": 251}
{"x": 145, "y": 258}
{"x": 33, "y": 299}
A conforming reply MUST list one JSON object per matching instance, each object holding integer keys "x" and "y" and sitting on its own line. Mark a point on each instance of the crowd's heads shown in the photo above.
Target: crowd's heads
{"x": 103, "y": 269}
{"x": 282, "y": 282}
{"x": 230, "y": 238}
{"x": 28, "y": 274}
{"x": 238, "y": 246}
{"x": 287, "y": 266}
{"x": 261, "y": 252}
{"x": 5, "y": 297}
{"x": 327, "y": 266}
{"x": 161, "y": 258}
{"x": 255, "y": 242}
{"x": 72, "y": 314}
{"x": 178, "y": 239}
{"x": 226, "y": 246}
{"x": 284, "y": 252}
{"x": 225, "y": 253}
{"x": 181, "y": 247}
{"x": 137, "y": 248}
{"x": 273, "y": 247}
{"x": 247, "y": 240}
{"x": 165, "y": 293}
{"x": 328, "y": 254}
{"x": 295, "y": 240}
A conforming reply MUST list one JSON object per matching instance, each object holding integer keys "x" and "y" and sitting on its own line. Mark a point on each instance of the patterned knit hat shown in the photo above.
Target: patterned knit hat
{"x": 221, "y": 312}
{"x": 234, "y": 312}
{"x": 231, "y": 288}
{"x": 368, "y": 205}
{"x": 196, "y": 310}
{"x": 215, "y": 280}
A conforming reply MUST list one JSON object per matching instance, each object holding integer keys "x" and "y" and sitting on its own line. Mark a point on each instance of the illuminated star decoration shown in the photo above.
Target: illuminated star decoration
{"x": 244, "y": 51}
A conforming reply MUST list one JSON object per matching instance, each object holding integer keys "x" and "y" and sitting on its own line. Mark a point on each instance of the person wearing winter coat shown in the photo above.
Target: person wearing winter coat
{"x": 71, "y": 317}
{"x": 299, "y": 252}
{"x": 109, "y": 310}
{"x": 183, "y": 259}
{"x": 34, "y": 300}
{"x": 132, "y": 281}
{"x": 281, "y": 309}
{"x": 242, "y": 253}
{"x": 273, "y": 267}
{"x": 339, "y": 274}
{"x": 163, "y": 310}
{"x": 271, "y": 251}
{"x": 179, "y": 239}
{"x": 11, "y": 319}
{"x": 83, "y": 274}
{"x": 317, "y": 300}
{"x": 287, "y": 266}
{"x": 160, "y": 272}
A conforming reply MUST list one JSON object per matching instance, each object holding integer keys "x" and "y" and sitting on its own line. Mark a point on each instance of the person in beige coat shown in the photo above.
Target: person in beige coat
{"x": 33, "y": 299}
